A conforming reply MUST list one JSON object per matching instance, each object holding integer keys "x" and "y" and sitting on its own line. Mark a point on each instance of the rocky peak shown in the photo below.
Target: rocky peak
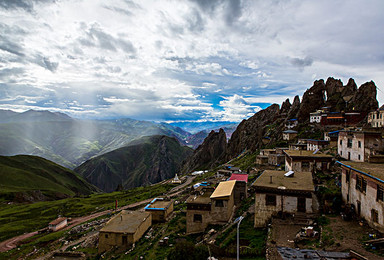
{"x": 210, "y": 153}
{"x": 294, "y": 108}
{"x": 285, "y": 107}
{"x": 313, "y": 99}
{"x": 364, "y": 99}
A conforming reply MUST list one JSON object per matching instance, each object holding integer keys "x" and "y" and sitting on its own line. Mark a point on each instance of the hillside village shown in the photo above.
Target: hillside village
{"x": 310, "y": 185}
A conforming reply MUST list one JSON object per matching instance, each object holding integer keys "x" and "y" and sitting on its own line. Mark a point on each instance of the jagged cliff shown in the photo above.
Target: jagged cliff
{"x": 270, "y": 122}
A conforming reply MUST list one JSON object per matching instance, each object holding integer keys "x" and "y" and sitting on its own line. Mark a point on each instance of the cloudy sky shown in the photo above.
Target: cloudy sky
{"x": 181, "y": 60}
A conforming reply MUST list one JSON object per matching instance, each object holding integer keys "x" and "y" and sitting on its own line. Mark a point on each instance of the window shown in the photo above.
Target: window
{"x": 219, "y": 203}
{"x": 374, "y": 216}
{"x": 359, "y": 158}
{"x": 347, "y": 176}
{"x": 349, "y": 144}
{"x": 363, "y": 185}
{"x": 270, "y": 200}
{"x": 358, "y": 182}
{"x": 380, "y": 193}
{"x": 106, "y": 235}
{"x": 359, "y": 144}
{"x": 197, "y": 218}
{"x": 304, "y": 165}
{"x": 341, "y": 142}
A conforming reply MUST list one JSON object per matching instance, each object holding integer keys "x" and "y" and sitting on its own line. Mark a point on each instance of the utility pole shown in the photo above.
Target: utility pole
{"x": 238, "y": 221}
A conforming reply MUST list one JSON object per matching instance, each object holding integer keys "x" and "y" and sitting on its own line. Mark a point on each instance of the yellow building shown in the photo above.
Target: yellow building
{"x": 124, "y": 229}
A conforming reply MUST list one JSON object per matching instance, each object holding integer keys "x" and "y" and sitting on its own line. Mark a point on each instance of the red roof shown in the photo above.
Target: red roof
{"x": 239, "y": 177}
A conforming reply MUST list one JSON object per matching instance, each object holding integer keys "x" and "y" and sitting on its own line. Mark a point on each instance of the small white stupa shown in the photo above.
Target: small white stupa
{"x": 176, "y": 179}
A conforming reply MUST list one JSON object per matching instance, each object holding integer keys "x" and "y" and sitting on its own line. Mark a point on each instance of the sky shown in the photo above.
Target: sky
{"x": 181, "y": 61}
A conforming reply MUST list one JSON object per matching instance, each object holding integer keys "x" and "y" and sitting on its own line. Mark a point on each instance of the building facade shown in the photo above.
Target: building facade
{"x": 376, "y": 118}
{"x": 160, "y": 209}
{"x": 306, "y": 161}
{"x": 362, "y": 185}
{"x": 275, "y": 192}
{"x": 57, "y": 224}
{"x": 359, "y": 145}
{"x": 289, "y": 135}
{"x": 313, "y": 145}
{"x": 123, "y": 230}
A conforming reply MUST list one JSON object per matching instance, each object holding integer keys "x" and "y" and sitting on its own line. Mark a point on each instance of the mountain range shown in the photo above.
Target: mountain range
{"x": 143, "y": 162}
{"x": 70, "y": 142}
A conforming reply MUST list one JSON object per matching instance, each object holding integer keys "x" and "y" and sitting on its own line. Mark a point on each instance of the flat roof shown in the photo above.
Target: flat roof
{"x": 204, "y": 198}
{"x": 301, "y": 181}
{"x": 306, "y": 153}
{"x": 125, "y": 222}
{"x": 158, "y": 204}
{"x": 374, "y": 169}
{"x": 57, "y": 221}
{"x": 224, "y": 189}
{"x": 239, "y": 177}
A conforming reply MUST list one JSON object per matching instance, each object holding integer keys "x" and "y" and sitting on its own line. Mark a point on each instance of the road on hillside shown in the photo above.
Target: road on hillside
{"x": 13, "y": 242}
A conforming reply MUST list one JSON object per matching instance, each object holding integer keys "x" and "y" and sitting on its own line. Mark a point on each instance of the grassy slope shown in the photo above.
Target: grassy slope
{"x": 16, "y": 219}
{"x": 27, "y": 173}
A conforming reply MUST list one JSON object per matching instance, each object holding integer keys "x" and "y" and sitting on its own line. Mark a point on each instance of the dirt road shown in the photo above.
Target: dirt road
{"x": 13, "y": 242}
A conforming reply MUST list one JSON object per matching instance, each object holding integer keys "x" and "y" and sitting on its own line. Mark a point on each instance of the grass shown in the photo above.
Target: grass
{"x": 17, "y": 219}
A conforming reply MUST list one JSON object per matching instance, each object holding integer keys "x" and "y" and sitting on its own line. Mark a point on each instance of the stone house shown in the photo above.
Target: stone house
{"x": 210, "y": 206}
{"x": 359, "y": 145}
{"x": 304, "y": 161}
{"x": 298, "y": 146}
{"x": 240, "y": 189}
{"x": 198, "y": 210}
{"x": 289, "y": 135}
{"x": 376, "y": 118}
{"x": 279, "y": 192}
{"x": 160, "y": 209}
{"x": 57, "y": 224}
{"x": 313, "y": 145}
{"x": 331, "y": 136}
{"x": 124, "y": 229}
{"x": 362, "y": 185}
{"x": 223, "y": 202}
{"x": 291, "y": 123}
{"x": 262, "y": 158}
{"x": 315, "y": 117}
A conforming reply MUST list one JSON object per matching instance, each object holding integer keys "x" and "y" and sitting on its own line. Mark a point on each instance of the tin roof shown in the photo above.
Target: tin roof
{"x": 239, "y": 177}
{"x": 224, "y": 189}
{"x": 125, "y": 222}
{"x": 57, "y": 221}
{"x": 301, "y": 181}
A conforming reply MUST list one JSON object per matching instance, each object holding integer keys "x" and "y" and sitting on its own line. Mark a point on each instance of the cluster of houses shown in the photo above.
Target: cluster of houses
{"x": 290, "y": 189}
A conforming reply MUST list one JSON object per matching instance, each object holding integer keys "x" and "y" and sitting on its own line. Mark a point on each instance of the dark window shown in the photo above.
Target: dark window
{"x": 375, "y": 216}
{"x": 359, "y": 144}
{"x": 106, "y": 235}
{"x": 349, "y": 144}
{"x": 304, "y": 165}
{"x": 197, "y": 218}
{"x": 358, "y": 182}
{"x": 270, "y": 200}
{"x": 364, "y": 185}
{"x": 358, "y": 156}
{"x": 219, "y": 203}
{"x": 341, "y": 142}
{"x": 380, "y": 193}
{"x": 347, "y": 176}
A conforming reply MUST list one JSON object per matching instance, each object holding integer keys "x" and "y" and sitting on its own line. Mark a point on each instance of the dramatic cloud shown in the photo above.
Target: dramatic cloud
{"x": 190, "y": 60}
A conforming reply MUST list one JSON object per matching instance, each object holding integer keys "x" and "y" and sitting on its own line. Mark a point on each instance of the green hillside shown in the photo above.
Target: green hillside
{"x": 31, "y": 178}
{"x": 145, "y": 161}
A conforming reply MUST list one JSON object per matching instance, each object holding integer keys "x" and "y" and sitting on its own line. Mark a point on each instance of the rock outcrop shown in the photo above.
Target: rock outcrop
{"x": 209, "y": 154}
{"x": 250, "y": 132}
{"x": 267, "y": 125}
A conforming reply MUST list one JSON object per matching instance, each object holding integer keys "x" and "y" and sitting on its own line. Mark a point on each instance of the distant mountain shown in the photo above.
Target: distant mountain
{"x": 32, "y": 178}
{"x": 70, "y": 142}
{"x": 197, "y": 139}
{"x": 142, "y": 162}
{"x": 195, "y": 127}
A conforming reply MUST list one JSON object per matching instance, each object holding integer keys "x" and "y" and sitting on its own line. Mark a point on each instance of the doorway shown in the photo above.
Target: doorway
{"x": 301, "y": 205}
